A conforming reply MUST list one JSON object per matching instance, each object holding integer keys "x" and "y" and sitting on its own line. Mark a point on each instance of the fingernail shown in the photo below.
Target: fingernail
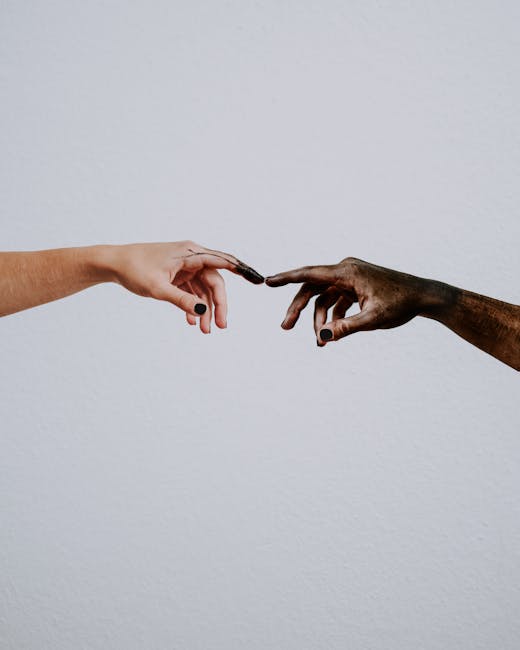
{"x": 200, "y": 309}
{"x": 326, "y": 335}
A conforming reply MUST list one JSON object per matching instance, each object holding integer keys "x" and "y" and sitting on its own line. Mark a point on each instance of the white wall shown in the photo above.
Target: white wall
{"x": 164, "y": 490}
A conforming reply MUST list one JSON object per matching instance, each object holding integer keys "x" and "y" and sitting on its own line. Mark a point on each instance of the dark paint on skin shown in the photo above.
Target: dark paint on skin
{"x": 389, "y": 298}
{"x": 249, "y": 274}
{"x": 242, "y": 269}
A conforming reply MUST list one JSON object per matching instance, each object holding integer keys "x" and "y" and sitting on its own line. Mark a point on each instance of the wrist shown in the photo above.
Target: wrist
{"x": 437, "y": 299}
{"x": 101, "y": 263}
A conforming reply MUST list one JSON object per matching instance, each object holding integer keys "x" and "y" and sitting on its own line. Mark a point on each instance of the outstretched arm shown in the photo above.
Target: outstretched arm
{"x": 182, "y": 273}
{"x": 390, "y": 298}
{"x": 28, "y": 279}
{"x": 491, "y": 325}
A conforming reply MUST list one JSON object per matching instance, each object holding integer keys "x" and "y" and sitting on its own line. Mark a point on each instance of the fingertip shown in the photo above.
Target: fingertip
{"x": 290, "y": 320}
{"x": 250, "y": 274}
{"x": 319, "y": 342}
{"x": 220, "y": 316}
{"x": 204, "y": 326}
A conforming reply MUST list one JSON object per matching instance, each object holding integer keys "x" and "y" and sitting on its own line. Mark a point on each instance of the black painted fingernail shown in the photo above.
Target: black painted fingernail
{"x": 200, "y": 309}
{"x": 326, "y": 335}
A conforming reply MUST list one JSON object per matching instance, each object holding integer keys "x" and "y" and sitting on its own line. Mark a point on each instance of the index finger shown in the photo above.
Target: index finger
{"x": 322, "y": 274}
{"x": 219, "y": 260}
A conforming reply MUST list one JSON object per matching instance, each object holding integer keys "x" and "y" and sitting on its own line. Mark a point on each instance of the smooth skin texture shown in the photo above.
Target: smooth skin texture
{"x": 390, "y": 298}
{"x": 182, "y": 273}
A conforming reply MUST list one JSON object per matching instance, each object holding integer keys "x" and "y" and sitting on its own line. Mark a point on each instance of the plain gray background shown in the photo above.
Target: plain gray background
{"x": 164, "y": 490}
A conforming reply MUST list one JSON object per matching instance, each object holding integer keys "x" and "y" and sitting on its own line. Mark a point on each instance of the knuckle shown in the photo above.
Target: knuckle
{"x": 186, "y": 303}
{"x": 348, "y": 269}
{"x": 350, "y": 264}
{"x": 342, "y": 328}
{"x": 345, "y": 327}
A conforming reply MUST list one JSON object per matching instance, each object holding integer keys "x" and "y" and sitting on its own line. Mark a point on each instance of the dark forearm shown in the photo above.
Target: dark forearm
{"x": 33, "y": 278}
{"x": 489, "y": 324}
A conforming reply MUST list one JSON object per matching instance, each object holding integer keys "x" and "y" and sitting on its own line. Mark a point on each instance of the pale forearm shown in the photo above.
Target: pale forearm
{"x": 491, "y": 325}
{"x": 33, "y": 278}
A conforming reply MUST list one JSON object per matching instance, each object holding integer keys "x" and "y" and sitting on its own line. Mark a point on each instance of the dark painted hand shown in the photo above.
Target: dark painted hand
{"x": 386, "y": 298}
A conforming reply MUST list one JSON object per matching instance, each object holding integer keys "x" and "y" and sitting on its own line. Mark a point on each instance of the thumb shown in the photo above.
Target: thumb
{"x": 181, "y": 299}
{"x": 338, "y": 329}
